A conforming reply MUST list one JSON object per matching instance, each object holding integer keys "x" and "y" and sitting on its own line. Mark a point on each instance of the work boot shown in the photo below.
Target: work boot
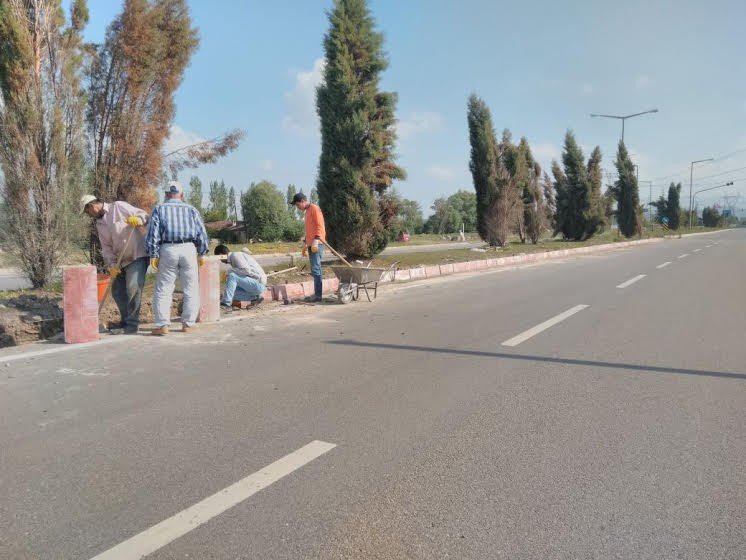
{"x": 225, "y": 308}
{"x": 187, "y": 329}
{"x": 159, "y": 331}
{"x": 257, "y": 301}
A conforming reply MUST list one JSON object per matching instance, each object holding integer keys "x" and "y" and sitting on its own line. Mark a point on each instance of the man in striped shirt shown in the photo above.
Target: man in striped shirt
{"x": 176, "y": 242}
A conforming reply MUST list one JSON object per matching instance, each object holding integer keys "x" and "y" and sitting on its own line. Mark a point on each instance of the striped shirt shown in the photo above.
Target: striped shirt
{"x": 176, "y": 222}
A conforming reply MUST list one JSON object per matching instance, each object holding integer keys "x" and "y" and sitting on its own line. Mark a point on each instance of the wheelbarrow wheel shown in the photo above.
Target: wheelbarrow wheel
{"x": 344, "y": 293}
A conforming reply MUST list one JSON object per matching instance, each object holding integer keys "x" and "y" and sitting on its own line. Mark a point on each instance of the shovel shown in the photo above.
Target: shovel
{"x": 119, "y": 267}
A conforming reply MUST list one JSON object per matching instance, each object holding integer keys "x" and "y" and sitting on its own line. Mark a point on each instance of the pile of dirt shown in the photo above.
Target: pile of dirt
{"x": 30, "y": 317}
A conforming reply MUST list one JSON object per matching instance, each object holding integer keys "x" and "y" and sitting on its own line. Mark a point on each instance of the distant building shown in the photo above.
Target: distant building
{"x": 227, "y": 231}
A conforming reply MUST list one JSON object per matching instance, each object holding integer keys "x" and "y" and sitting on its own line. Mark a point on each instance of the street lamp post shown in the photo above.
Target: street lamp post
{"x": 650, "y": 203}
{"x": 728, "y": 184}
{"x": 691, "y": 181}
{"x": 624, "y": 117}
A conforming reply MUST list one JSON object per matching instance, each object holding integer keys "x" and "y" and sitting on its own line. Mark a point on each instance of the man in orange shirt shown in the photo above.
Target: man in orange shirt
{"x": 314, "y": 241}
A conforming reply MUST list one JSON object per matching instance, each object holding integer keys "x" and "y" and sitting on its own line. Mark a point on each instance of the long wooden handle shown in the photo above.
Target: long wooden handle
{"x": 340, "y": 257}
{"x": 119, "y": 265}
{"x": 281, "y": 271}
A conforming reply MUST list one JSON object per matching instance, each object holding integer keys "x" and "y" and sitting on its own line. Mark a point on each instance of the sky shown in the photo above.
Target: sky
{"x": 542, "y": 66}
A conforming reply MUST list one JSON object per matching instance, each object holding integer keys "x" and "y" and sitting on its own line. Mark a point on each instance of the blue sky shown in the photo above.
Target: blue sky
{"x": 542, "y": 66}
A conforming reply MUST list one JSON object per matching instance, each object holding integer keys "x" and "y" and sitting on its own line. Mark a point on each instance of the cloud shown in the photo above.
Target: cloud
{"x": 642, "y": 81}
{"x": 267, "y": 164}
{"x": 440, "y": 173}
{"x": 179, "y": 138}
{"x": 300, "y": 102}
{"x": 546, "y": 152}
{"x": 586, "y": 89}
{"x": 418, "y": 123}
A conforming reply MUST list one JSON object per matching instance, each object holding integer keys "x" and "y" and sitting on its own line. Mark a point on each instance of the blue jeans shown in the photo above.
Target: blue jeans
{"x": 315, "y": 259}
{"x": 241, "y": 288}
{"x": 126, "y": 289}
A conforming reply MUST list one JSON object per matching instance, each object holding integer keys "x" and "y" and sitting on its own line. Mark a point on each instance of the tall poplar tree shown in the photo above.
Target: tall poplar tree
{"x": 42, "y": 146}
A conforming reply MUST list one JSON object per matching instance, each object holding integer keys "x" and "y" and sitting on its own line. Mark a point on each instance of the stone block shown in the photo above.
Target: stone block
{"x": 80, "y": 303}
{"x": 209, "y": 291}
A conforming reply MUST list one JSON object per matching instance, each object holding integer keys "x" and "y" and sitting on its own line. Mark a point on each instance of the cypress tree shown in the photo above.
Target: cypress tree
{"x": 484, "y": 162}
{"x": 673, "y": 206}
{"x": 357, "y": 132}
{"x": 576, "y": 217}
{"x": 628, "y": 196}
{"x": 596, "y": 214}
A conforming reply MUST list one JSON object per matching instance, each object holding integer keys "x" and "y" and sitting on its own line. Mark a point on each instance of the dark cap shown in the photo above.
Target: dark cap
{"x": 299, "y": 197}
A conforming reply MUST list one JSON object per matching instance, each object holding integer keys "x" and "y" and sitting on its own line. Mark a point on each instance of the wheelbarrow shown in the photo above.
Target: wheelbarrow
{"x": 352, "y": 279}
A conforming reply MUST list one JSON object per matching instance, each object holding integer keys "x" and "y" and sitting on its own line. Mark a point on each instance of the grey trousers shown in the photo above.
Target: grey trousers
{"x": 177, "y": 260}
{"x": 126, "y": 289}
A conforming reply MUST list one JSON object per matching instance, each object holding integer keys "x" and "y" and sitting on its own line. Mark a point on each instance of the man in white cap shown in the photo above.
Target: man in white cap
{"x": 120, "y": 229}
{"x": 176, "y": 242}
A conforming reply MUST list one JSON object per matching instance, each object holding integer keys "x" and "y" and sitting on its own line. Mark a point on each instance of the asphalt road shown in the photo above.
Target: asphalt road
{"x": 614, "y": 430}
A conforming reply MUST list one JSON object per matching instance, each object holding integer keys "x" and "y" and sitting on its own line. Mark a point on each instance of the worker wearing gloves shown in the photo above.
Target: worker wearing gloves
{"x": 120, "y": 228}
{"x": 177, "y": 243}
{"x": 313, "y": 244}
{"x": 245, "y": 281}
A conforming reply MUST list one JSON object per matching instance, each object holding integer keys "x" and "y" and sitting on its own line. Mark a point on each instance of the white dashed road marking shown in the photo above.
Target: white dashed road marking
{"x": 180, "y": 524}
{"x": 664, "y": 265}
{"x": 631, "y": 281}
{"x": 684, "y": 256}
{"x": 524, "y": 336}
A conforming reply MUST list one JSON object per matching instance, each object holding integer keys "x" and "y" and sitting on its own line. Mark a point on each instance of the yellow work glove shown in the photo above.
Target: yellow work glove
{"x": 315, "y": 246}
{"x": 304, "y": 251}
{"x": 154, "y": 263}
{"x": 134, "y": 221}
{"x": 201, "y": 261}
{"x": 113, "y": 272}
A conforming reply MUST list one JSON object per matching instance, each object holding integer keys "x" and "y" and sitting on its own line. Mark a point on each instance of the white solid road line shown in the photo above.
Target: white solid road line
{"x": 189, "y": 519}
{"x": 684, "y": 256}
{"x": 664, "y": 265}
{"x": 631, "y": 281}
{"x": 524, "y": 336}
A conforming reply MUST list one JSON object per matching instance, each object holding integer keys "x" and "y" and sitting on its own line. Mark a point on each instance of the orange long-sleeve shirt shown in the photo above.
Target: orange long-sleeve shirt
{"x": 314, "y": 224}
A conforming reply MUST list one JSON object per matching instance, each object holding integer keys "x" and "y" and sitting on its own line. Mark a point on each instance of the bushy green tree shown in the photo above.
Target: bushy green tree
{"x": 597, "y": 220}
{"x": 218, "y": 210}
{"x": 673, "y": 207}
{"x": 578, "y": 187}
{"x": 711, "y": 217}
{"x": 497, "y": 198}
{"x": 265, "y": 212}
{"x": 450, "y": 213}
{"x": 194, "y": 196}
{"x": 627, "y": 194}
{"x": 526, "y": 173}
{"x": 357, "y": 132}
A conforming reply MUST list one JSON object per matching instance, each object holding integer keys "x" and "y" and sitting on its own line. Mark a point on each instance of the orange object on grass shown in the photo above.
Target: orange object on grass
{"x": 102, "y": 283}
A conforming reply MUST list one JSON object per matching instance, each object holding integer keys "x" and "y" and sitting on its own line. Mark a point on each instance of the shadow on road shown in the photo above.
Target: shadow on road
{"x": 545, "y": 359}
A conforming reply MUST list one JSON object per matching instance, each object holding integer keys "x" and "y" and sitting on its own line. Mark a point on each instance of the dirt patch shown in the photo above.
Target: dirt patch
{"x": 110, "y": 317}
{"x": 29, "y": 317}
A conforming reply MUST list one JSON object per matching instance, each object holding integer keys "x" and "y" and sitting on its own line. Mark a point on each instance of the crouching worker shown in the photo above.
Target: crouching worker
{"x": 246, "y": 280}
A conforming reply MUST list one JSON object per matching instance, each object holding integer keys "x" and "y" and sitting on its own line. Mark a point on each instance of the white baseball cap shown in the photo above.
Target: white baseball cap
{"x": 85, "y": 200}
{"x": 174, "y": 187}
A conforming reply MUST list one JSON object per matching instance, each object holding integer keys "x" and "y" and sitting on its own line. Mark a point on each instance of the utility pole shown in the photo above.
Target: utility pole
{"x": 624, "y": 117}
{"x": 650, "y": 203}
{"x": 691, "y": 181}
